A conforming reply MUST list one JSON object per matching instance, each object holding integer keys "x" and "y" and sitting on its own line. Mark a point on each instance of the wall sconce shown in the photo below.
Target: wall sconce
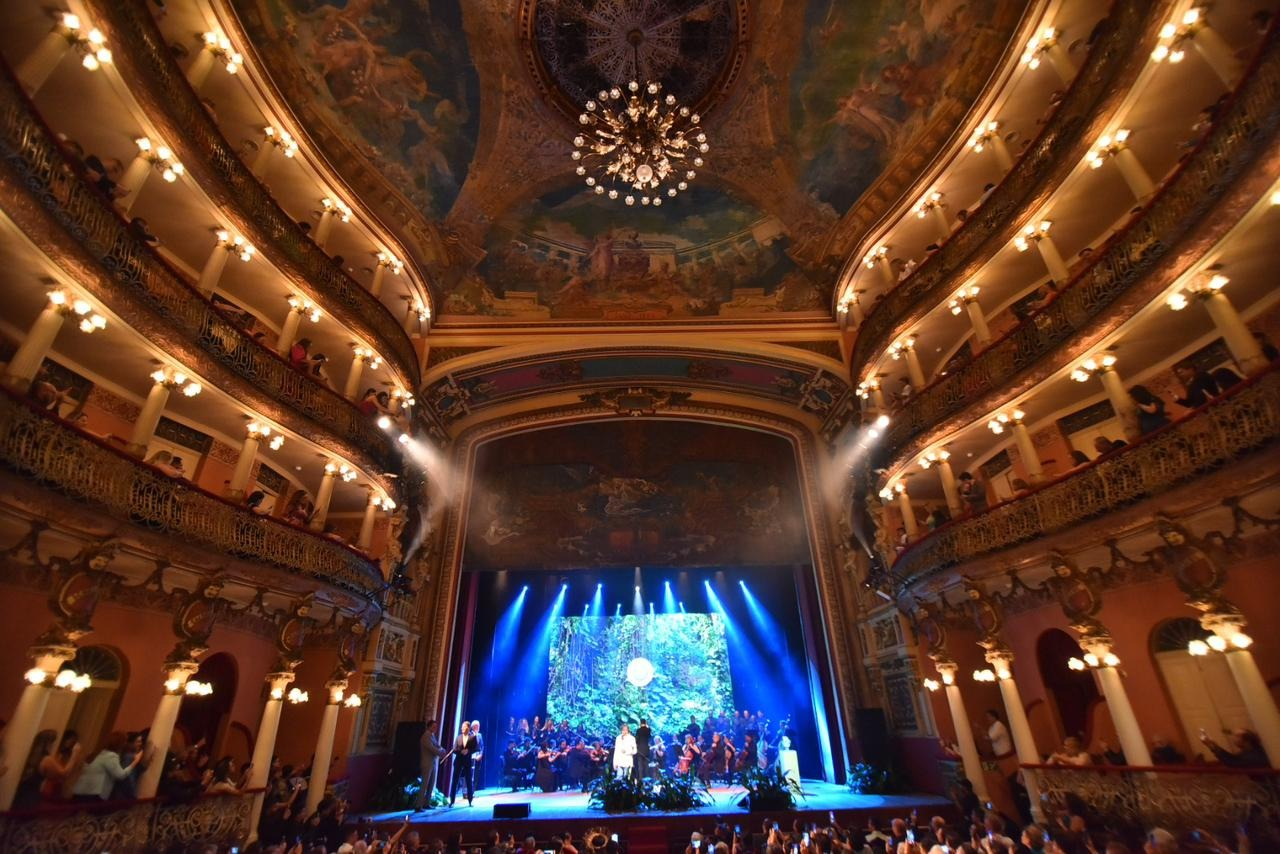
{"x": 1108, "y": 146}
{"x": 933, "y": 458}
{"x": 352, "y": 701}
{"x": 875, "y": 256}
{"x": 928, "y": 203}
{"x": 305, "y": 307}
{"x": 366, "y": 355}
{"x": 197, "y": 689}
{"x": 236, "y": 245}
{"x": 161, "y": 157}
{"x": 342, "y": 470}
{"x": 1174, "y": 37}
{"x": 1038, "y": 46}
{"x": 297, "y": 695}
{"x": 391, "y": 262}
{"x": 92, "y": 44}
{"x": 900, "y": 347}
{"x": 963, "y": 297}
{"x": 338, "y": 207}
{"x": 1032, "y": 234}
{"x": 1217, "y": 643}
{"x": 931, "y": 684}
{"x": 1201, "y": 288}
{"x": 997, "y": 425}
{"x": 1092, "y": 662}
{"x": 71, "y": 681}
{"x": 257, "y": 430}
{"x": 220, "y": 46}
{"x": 282, "y": 140}
{"x": 983, "y": 135}
{"x": 68, "y": 304}
{"x": 174, "y": 378}
{"x": 1091, "y": 367}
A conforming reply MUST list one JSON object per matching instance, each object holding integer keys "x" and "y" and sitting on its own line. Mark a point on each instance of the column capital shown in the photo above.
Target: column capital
{"x": 336, "y": 688}
{"x": 277, "y": 682}
{"x": 177, "y": 674}
{"x": 50, "y": 656}
{"x": 1001, "y": 659}
{"x": 1225, "y": 623}
{"x": 946, "y": 667}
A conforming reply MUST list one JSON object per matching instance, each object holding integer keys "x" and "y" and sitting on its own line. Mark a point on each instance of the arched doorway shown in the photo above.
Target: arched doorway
{"x": 1072, "y": 694}
{"x": 205, "y": 718}
{"x": 91, "y": 712}
{"x": 1201, "y": 688}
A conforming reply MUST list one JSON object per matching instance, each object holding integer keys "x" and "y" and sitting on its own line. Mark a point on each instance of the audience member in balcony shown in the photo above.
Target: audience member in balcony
{"x": 904, "y": 392}
{"x": 330, "y": 532}
{"x": 1105, "y": 446}
{"x": 998, "y": 734}
{"x": 1245, "y": 752}
{"x": 1072, "y": 753}
{"x": 317, "y": 369}
{"x": 46, "y": 395}
{"x": 1079, "y": 459}
{"x": 222, "y": 783}
{"x": 1151, "y": 414}
{"x": 908, "y": 267}
{"x": 368, "y": 404}
{"x": 104, "y": 174}
{"x": 46, "y": 771}
{"x": 138, "y": 228}
{"x": 936, "y": 519}
{"x": 126, "y": 789}
{"x": 987, "y": 190}
{"x": 1199, "y": 387}
{"x": 1164, "y": 753}
{"x": 100, "y": 775}
{"x": 1225, "y": 379}
{"x": 164, "y": 462}
{"x": 901, "y": 540}
{"x": 179, "y": 468}
{"x": 972, "y": 492}
{"x": 299, "y": 508}
{"x": 1020, "y": 487}
{"x": 253, "y": 501}
{"x": 1269, "y": 351}
{"x": 300, "y": 355}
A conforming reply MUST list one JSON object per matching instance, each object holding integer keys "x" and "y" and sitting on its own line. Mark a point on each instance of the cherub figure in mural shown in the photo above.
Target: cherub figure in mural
{"x": 627, "y": 496}
{"x": 862, "y": 112}
{"x": 600, "y": 257}
{"x": 761, "y": 510}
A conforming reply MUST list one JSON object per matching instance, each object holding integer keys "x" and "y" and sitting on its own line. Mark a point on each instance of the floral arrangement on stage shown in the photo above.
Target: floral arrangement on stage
{"x": 669, "y": 793}
{"x": 867, "y": 779}
{"x": 769, "y": 790}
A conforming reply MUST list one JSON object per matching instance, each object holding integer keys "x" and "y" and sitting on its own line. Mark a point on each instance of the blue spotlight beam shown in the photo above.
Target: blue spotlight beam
{"x": 668, "y": 599}
{"x": 532, "y": 661}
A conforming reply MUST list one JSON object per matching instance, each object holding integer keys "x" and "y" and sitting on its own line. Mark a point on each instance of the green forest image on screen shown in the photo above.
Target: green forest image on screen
{"x": 588, "y": 682}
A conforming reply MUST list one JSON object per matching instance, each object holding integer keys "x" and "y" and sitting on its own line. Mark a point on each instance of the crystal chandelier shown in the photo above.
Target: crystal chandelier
{"x": 641, "y": 140}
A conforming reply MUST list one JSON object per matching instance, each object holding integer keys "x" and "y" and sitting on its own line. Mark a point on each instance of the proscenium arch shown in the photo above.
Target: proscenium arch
{"x": 833, "y": 638}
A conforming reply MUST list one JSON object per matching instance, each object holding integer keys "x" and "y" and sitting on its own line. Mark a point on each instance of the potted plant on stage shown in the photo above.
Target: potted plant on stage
{"x": 614, "y": 793}
{"x": 679, "y": 792}
{"x": 769, "y": 790}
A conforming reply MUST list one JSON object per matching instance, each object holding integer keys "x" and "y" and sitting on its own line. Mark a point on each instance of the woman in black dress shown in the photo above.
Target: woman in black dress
{"x": 545, "y": 777}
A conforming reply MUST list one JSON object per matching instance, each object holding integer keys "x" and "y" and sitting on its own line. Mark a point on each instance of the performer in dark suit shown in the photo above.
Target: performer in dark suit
{"x": 430, "y": 765}
{"x": 465, "y": 747}
{"x": 643, "y": 735}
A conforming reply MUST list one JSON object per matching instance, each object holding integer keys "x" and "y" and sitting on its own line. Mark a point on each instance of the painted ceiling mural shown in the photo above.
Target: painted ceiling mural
{"x": 635, "y": 492}
{"x": 452, "y": 118}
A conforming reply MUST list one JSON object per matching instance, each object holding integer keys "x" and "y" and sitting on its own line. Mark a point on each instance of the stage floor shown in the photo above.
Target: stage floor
{"x": 819, "y": 797}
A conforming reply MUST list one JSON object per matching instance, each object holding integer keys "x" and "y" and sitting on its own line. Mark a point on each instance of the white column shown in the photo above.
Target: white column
{"x": 324, "y": 227}
{"x": 1131, "y": 169}
{"x": 964, "y": 730}
{"x": 198, "y": 71}
{"x": 908, "y": 514}
{"x": 352, "y": 386}
{"x": 379, "y": 273}
{"x": 1258, "y": 701}
{"x": 161, "y": 732}
{"x": 1020, "y": 728}
{"x": 1027, "y": 450}
{"x": 886, "y": 271}
{"x": 855, "y": 310}
{"x": 1052, "y": 259}
{"x": 262, "y": 160}
{"x": 914, "y": 370}
{"x": 288, "y": 331}
{"x": 36, "y": 67}
{"x": 1217, "y": 54}
{"x": 1239, "y": 340}
{"x": 940, "y": 219}
{"x": 978, "y": 320}
{"x": 1121, "y": 402}
{"x": 132, "y": 180}
{"x": 265, "y": 745}
{"x": 366, "y": 523}
{"x": 324, "y": 744}
{"x": 948, "y": 478}
{"x": 213, "y": 267}
{"x": 244, "y": 465}
{"x": 323, "y": 495}
{"x": 1061, "y": 63}
{"x": 1127, "y": 731}
{"x": 24, "y": 723}
{"x": 22, "y": 368}
{"x": 145, "y": 427}
{"x": 1001, "y": 151}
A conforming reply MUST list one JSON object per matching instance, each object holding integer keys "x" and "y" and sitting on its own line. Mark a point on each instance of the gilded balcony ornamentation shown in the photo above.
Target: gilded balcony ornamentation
{"x": 1247, "y": 127}
{"x": 48, "y": 181}
{"x": 159, "y": 84}
{"x": 43, "y": 448}
{"x": 153, "y": 825}
{"x": 1223, "y": 431}
{"x": 1179, "y": 799}
{"x": 985, "y": 230}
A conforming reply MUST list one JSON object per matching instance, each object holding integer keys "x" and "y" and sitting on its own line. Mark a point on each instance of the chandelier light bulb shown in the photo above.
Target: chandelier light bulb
{"x": 1198, "y": 648}
{"x": 1216, "y": 643}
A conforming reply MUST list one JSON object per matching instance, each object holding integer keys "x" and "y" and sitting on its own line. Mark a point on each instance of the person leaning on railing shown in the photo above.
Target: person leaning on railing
{"x": 1246, "y": 749}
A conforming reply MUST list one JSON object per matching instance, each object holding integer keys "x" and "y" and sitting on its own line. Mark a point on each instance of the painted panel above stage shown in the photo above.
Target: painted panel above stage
{"x": 628, "y": 493}
{"x": 574, "y": 255}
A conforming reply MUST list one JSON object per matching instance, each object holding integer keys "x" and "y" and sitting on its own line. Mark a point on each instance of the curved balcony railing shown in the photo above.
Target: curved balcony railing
{"x": 993, "y": 224}
{"x": 1179, "y": 798}
{"x": 45, "y": 449}
{"x": 57, "y": 186}
{"x": 1218, "y": 433}
{"x": 157, "y": 81}
{"x": 149, "y": 824}
{"x": 1246, "y": 128}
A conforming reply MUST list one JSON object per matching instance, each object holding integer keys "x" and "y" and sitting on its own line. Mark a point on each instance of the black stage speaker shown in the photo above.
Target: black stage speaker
{"x": 874, "y": 736}
{"x": 511, "y": 810}
{"x": 406, "y": 751}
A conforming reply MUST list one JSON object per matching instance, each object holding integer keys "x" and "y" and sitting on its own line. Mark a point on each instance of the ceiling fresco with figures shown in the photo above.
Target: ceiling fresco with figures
{"x": 632, "y": 493}
{"x": 454, "y": 120}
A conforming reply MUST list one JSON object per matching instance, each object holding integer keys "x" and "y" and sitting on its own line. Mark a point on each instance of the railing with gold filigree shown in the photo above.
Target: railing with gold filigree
{"x": 1177, "y": 798}
{"x": 1247, "y": 126}
{"x": 155, "y": 79}
{"x": 1219, "y": 432}
{"x": 145, "y": 825}
{"x": 31, "y": 153}
{"x": 983, "y": 232}
{"x": 45, "y": 449}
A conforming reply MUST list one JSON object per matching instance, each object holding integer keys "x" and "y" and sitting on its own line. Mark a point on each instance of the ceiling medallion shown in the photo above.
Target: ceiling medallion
{"x": 640, "y": 139}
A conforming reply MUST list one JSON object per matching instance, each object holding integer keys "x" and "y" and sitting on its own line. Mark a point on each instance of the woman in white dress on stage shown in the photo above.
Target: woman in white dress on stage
{"x": 624, "y": 752}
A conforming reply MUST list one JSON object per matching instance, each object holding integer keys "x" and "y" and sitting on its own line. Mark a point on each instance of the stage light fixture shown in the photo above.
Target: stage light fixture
{"x": 637, "y": 588}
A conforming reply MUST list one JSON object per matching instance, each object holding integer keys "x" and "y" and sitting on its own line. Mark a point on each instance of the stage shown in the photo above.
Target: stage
{"x": 557, "y": 812}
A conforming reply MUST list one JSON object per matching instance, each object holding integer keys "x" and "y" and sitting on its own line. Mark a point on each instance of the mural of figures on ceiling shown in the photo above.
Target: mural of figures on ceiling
{"x": 574, "y": 255}
{"x": 392, "y": 76}
{"x": 633, "y": 493}
{"x": 870, "y": 77}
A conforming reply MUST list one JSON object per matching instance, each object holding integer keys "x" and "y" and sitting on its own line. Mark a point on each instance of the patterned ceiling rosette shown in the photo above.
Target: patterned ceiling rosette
{"x": 575, "y": 48}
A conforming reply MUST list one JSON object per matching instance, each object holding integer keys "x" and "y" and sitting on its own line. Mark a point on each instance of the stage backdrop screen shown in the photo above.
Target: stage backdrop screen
{"x": 664, "y": 667}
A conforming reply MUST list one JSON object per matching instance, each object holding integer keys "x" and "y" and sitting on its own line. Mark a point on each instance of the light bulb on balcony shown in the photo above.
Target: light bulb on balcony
{"x": 352, "y": 701}
{"x": 64, "y": 678}
{"x": 1110, "y": 660}
{"x": 277, "y": 693}
{"x": 948, "y": 678}
{"x": 171, "y": 686}
{"x": 276, "y": 442}
{"x": 1241, "y": 641}
{"x": 192, "y": 389}
{"x": 931, "y": 684}
{"x": 1216, "y": 643}
{"x": 297, "y": 695}
{"x": 58, "y": 297}
{"x": 1075, "y": 664}
{"x": 404, "y": 439}
{"x": 874, "y": 256}
{"x": 1091, "y": 659}
{"x": 384, "y": 422}
{"x": 35, "y": 676}
{"x": 71, "y": 22}
{"x": 1003, "y": 675}
{"x": 1177, "y": 301}
{"x": 1197, "y": 648}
